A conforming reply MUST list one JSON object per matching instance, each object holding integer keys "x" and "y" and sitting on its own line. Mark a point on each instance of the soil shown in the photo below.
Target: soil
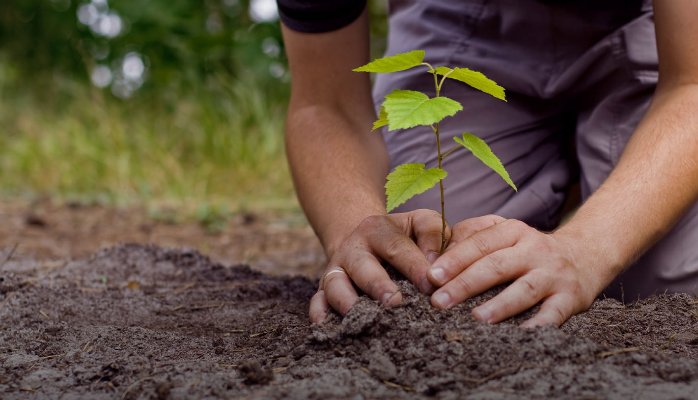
{"x": 52, "y": 232}
{"x": 136, "y": 321}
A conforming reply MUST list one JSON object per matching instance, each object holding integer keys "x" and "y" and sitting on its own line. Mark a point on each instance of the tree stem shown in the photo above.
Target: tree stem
{"x": 440, "y": 158}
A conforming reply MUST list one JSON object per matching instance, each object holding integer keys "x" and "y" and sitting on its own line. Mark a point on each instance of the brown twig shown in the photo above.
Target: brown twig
{"x": 397, "y": 386}
{"x": 615, "y": 352}
{"x": 258, "y": 334}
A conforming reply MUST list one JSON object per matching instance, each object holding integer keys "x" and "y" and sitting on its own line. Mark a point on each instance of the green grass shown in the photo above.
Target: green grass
{"x": 218, "y": 144}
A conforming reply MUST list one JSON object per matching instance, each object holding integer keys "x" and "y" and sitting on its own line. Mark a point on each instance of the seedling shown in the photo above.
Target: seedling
{"x": 403, "y": 109}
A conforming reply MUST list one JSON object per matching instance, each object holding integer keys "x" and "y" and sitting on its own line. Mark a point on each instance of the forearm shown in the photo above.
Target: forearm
{"x": 655, "y": 181}
{"x": 339, "y": 169}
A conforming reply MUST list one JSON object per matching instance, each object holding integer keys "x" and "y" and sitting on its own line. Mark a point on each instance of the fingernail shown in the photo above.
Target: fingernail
{"x": 438, "y": 274}
{"x": 442, "y": 299}
{"x": 432, "y": 256}
{"x": 387, "y": 298}
{"x": 425, "y": 286}
{"x": 483, "y": 314}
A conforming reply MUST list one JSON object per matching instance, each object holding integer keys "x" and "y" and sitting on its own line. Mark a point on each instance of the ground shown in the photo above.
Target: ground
{"x": 144, "y": 321}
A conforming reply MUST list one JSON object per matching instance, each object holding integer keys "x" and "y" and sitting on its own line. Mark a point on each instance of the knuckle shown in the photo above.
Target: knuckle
{"x": 481, "y": 245}
{"x": 516, "y": 225}
{"x": 426, "y": 214}
{"x": 530, "y": 287}
{"x": 495, "y": 265}
{"x": 494, "y": 218}
{"x": 394, "y": 247}
{"x": 463, "y": 285}
{"x": 329, "y": 280}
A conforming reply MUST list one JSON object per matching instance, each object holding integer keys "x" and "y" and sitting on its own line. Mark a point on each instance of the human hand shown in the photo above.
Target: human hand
{"x": 407, "y": 241}
{"x": 488, "y": 251}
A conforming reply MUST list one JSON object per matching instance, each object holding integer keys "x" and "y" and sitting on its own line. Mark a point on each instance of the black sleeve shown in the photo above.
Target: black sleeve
{"x": 316, "y": 16}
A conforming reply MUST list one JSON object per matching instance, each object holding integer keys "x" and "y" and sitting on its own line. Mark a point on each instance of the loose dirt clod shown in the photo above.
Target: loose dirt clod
{"x": 234, "y": 332}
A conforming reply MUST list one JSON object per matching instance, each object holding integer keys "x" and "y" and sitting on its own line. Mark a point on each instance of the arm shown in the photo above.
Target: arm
{"x": 329, "y": 146}
{"x": 655, "y": 181}
{"x": 339, "y": 169}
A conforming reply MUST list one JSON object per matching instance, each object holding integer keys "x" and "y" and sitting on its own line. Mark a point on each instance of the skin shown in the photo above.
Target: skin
{"x": 340, "y": 178}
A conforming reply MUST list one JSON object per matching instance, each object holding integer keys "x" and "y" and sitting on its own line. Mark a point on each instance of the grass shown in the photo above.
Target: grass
{"x": 219, "y": 144}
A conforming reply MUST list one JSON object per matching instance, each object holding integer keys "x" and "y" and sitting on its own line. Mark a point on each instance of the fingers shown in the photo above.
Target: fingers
{"x": 426, "y": 229}
{"x": 339, "y": 291}
{"x": 318, "y": 307}
{"x": 554, "y": 311}
{"x": 389, "y": 242}
{"x": 463, "y": 254}
{"x": 368, "y": 274}
{"x": 403, "y": 240}
{"x": 521, "y": 295}
{"x": 492, "y": 270}
{"x": 471, "y": 226}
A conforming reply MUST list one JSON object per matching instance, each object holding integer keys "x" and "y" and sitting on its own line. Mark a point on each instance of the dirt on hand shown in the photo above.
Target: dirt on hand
{"x": 145, "y": 322}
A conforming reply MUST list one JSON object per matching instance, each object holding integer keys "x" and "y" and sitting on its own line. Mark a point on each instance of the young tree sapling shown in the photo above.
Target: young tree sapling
{"x": 403, "y": 109}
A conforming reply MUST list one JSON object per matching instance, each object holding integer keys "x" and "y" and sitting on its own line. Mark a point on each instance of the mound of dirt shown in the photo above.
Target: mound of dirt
{"x": 144, "y": 322}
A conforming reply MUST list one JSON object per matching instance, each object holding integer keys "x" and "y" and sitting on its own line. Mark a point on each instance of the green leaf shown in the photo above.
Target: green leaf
{"x": 407, "y": 109}
{"x": 382, "y": 119}
{"x": 482, "y": 151}
{"x": 398, "y": 62}
{"x": 473, "y": 78}
{"x": 409, "y": 180}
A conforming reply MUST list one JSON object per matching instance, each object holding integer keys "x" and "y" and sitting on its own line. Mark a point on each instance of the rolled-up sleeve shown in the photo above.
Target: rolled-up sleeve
{"x": 316, "y": 16}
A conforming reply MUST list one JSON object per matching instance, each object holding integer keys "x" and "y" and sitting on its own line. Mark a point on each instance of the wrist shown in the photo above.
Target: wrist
{"x": 596, "y": 259}
{"x": 336, "y": 233}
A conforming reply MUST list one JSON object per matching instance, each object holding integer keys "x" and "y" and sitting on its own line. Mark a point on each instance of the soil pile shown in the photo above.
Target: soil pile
{"x": 145, "y": 322}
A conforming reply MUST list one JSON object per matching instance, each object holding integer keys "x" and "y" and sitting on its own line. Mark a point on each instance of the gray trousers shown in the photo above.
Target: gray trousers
{"x": 579, "y": 77}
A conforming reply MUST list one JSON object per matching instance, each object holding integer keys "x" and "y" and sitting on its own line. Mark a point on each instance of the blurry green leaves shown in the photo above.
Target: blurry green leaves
{"x": 482, "y": 151}
{"x": 475, "y": 79}
{"x": 409, "y": 180}
{"x": 398, "y": 62}
{"x": 407, "y": 108}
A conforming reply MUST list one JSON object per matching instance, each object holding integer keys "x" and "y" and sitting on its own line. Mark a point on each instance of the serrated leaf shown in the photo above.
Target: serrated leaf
{"x": 484, "y": 153}
{"x": 409, "y": 180}
{"x": 398, "y": 62}
{"x": 475, "y": 79}
{"x": 407, "y": 109}
{"x": 382, "y": 119}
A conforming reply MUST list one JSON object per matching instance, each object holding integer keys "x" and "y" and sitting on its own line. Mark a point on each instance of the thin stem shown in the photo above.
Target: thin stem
{"x": 440, "y": 156}
{"x": 451, "y": 150}
{"x": 440, "y": 159}
{"x": 436, "y": 79}
{"x": 443, "y": 79}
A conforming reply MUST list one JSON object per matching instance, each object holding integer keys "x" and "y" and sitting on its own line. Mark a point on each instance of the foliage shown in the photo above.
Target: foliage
{"x": 404, "y": 109}
{"x": 409, "y": 180}
{"x": 201, "y": 126}
{"x": 181, "y": 42}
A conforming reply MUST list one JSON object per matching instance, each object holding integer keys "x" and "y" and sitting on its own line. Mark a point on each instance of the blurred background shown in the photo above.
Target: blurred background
{"x": 146, "y": 102}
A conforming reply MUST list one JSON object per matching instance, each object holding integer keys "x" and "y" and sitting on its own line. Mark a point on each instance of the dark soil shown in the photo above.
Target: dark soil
{"x": 145, "y": 322}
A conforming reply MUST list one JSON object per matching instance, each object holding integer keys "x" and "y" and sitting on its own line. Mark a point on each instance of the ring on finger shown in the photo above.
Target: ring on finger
{"x": 332, "y": 271}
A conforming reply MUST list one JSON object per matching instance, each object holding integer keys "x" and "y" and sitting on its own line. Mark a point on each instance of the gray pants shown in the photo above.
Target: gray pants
{"x": 579, "y": 77}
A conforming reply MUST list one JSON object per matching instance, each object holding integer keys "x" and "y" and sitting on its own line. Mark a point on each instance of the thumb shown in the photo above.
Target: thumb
{"x": 427, "y": 228}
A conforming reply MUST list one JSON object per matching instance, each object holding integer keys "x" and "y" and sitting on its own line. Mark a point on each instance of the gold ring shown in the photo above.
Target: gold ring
{"x": 336, "y": 269}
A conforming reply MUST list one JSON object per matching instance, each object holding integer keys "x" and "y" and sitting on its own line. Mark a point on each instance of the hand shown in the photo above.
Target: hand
{"x": 488, "y": 251}
{"x": 407, "y": 241}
